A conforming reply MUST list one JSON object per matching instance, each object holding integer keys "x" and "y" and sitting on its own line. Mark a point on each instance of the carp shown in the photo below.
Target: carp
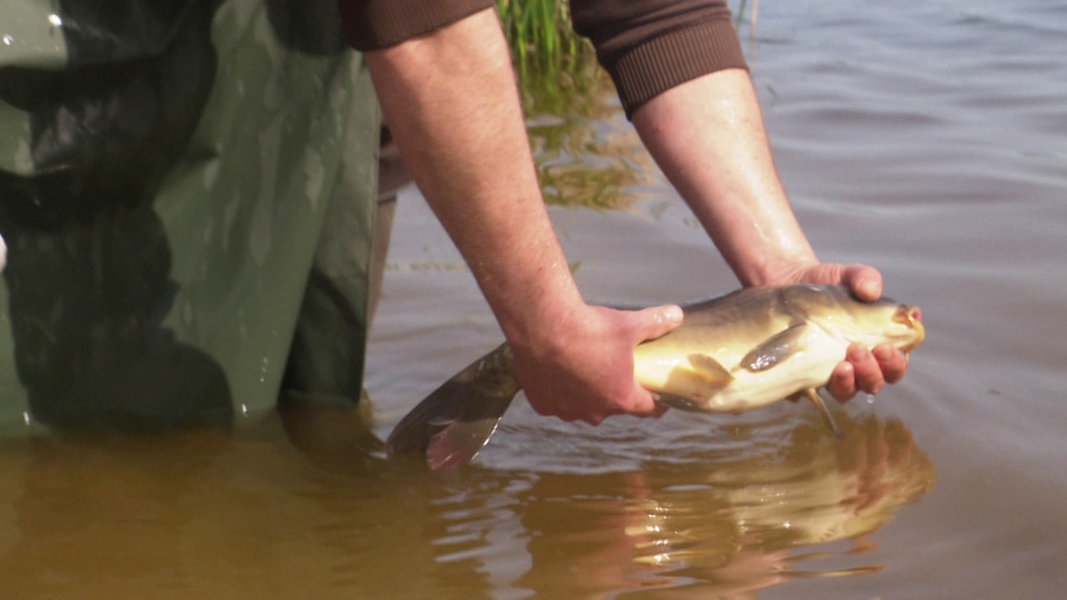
{"x": 734, "y": 353}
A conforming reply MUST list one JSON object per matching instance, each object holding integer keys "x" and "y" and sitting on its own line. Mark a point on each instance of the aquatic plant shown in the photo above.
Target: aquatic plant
{"x": 582, "y": 156}
{"x": 549, "y": 56}
{"x": 585, "y": 153}
{"x": 739, "y": 13}
{"x": 554, "y": 64}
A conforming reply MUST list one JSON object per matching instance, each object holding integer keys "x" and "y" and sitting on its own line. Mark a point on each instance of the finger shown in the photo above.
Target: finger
{"x": 656, "y": 321}
{"x": 640, "y": 403}
{"x": 868, "y": 373}
{"x": 892, "y": 362}
{"x": 591, "y": 419}
{"x": 644, "y": 403}
{"x": 842, "y": 384}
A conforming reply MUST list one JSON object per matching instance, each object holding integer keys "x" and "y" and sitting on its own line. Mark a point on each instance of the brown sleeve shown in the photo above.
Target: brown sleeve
{"x": 650, "y": 46}
{"x": 377, "y": 24}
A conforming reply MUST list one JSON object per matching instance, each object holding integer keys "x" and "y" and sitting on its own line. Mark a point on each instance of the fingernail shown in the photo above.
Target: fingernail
{"x": 858, "y": 353}
{"x": 870, "y": 289}
{"x": 672, "y": 314}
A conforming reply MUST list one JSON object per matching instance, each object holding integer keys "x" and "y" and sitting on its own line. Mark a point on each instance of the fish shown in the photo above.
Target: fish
{"x": 734, "y": 353}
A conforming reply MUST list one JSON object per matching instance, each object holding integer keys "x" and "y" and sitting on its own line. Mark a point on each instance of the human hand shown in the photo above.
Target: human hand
{"x": 863, "y": 369}
{"x": 581, "y": 368}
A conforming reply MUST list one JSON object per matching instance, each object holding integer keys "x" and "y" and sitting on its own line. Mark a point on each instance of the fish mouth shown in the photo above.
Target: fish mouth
{"x": 911, "y": 317}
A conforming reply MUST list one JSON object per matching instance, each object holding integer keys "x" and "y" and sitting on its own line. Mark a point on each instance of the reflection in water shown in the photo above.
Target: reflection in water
{"x": 244, "y": 513}
{"x": 925, "y": 138}
{"x": 583, "y": 156}
{"x": 727, "y": 526}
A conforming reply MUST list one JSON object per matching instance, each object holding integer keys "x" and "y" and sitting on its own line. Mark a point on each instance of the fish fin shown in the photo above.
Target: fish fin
{"x": 710, "y": 370}
{"x": 453, "y": 423}
{"x": 775, "y": 349}
{"x": 679, "y": 403}
{"x": 828, "y": 418}
{"x": 697, "y": 381}
{"x": 690, "y": 384}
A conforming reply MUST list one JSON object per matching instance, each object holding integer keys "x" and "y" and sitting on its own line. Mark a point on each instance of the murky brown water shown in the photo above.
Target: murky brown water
{"x": 929, "y": 139}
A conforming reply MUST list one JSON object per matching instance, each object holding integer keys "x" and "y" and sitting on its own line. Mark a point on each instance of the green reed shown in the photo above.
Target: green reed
{"x": 570, "y": 106}
{"x": 549, "y": 56}
{"x": 540, "y": 34}
{"x": 583, "y": 155}
{"x": 555, "y": 66}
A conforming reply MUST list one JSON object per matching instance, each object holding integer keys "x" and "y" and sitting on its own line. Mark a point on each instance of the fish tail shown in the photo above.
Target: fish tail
{"x": 453, "y": 423}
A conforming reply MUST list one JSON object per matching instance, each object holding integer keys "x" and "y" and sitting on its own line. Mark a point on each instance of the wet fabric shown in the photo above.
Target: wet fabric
{"x": 166, "y": 168}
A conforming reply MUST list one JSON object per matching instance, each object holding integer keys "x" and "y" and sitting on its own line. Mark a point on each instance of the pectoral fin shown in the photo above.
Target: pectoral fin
{"x": 775, "y": 349}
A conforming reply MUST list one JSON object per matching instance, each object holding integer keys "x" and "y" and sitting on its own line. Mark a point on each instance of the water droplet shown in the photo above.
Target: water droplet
{"x": 26, "y": 417}
{"x": 264, "y": 368}
{"x": 244, "y": 409}
{"x": 55, "y": 20}
{"x": 8, "y": 40}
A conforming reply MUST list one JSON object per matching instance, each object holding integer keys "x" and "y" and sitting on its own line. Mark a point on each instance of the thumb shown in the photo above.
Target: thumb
{"x": 865, "y": 282}
{"x": 656, "y": 321}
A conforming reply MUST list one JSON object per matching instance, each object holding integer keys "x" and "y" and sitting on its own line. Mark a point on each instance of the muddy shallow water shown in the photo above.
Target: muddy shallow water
{"x": 928, "y": 139}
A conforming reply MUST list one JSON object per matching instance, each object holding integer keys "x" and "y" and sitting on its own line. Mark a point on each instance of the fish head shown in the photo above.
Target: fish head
{"x": 836, "y": 310}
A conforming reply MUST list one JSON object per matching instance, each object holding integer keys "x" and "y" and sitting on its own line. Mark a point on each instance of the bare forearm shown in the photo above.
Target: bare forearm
{"x": 451, "y": 102}
{"x": 708, "y": 137}
{"x": 452, "y": 105}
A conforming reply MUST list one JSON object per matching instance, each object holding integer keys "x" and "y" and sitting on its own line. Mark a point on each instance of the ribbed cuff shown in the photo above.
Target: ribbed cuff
{"x": 377, "y": 24}
{"x": 663, "y": 62}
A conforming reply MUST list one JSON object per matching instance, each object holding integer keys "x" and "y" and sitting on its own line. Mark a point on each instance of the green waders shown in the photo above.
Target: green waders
{"x": 187, "y": 193}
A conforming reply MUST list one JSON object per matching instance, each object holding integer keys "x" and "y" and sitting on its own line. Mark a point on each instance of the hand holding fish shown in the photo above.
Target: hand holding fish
{"x": 573, "y": 357}
{"x": 589, "y": 356}
{"x": 707, "y": 136}
{"x": 738, "y": 352}
{"x": 863, "y": 370}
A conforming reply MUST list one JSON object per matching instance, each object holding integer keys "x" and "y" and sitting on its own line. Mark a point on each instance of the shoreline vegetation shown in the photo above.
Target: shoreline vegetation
{"x": 551, "y": 60}
{"x": 586, "y": 155}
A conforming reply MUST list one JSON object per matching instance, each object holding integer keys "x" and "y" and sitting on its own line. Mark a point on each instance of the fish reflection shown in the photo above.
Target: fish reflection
{"x": 301, "y": 504}
{"x": 730, "y": 526}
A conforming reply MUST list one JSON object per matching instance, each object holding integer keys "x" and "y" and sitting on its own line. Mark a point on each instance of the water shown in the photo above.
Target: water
{"x": 929, "y": 139}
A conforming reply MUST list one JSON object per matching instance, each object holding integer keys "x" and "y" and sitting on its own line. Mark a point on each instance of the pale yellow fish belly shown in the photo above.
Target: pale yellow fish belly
{"x": 680, "y": 373}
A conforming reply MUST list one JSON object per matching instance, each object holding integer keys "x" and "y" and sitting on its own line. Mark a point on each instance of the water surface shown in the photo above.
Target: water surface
{"x": 928, "y": 139}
